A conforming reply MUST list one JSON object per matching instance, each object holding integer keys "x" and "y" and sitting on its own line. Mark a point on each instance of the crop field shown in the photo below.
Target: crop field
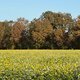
{"x": 39, "y": 65}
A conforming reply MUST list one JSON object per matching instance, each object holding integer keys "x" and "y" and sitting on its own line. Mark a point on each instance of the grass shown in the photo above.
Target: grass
{"x": 39, "y": 65}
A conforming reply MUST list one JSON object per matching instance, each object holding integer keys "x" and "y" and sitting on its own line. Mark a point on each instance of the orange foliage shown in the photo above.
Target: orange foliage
{"x": 41, "y": 30}
{"x": 16, "y": 31}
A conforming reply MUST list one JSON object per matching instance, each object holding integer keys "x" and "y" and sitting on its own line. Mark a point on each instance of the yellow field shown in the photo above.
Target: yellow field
{"x": 39, "y": 65}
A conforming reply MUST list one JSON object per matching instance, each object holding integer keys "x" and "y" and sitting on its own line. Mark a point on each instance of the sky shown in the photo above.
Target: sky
{"x": 30, "y": 9}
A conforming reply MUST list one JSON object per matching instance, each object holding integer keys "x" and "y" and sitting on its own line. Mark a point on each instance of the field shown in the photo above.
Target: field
{"x": 40, "y": 65}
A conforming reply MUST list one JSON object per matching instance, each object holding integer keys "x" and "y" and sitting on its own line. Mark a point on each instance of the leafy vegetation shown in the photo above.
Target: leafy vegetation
{"x": 39, "y": 65}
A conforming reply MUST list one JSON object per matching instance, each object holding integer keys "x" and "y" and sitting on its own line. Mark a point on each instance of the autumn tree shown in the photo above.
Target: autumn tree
{"x": 39, "y": 32}
{"x": 2, "y": 28}
{"x": 58, "y": 19}
{"x": 16, "y": 33}
{"x": 6, "y": 42}
{"x": 51, "y": 31}
{"x": 76, "y": 33}
{"x": 59, "y": 38}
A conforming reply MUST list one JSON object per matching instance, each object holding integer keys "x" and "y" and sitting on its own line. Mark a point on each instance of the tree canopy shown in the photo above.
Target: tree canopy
{"x": 50, "y": 31}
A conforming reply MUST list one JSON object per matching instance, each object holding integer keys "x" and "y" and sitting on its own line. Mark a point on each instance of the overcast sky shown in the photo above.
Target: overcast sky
{"x": 13, "y": 9}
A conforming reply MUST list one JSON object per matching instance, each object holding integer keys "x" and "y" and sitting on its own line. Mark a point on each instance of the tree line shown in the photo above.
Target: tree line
{"x": 50, "y": 31}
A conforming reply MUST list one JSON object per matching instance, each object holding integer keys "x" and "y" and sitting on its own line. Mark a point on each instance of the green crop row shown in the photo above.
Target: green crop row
{"x": 40, "y": 65}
